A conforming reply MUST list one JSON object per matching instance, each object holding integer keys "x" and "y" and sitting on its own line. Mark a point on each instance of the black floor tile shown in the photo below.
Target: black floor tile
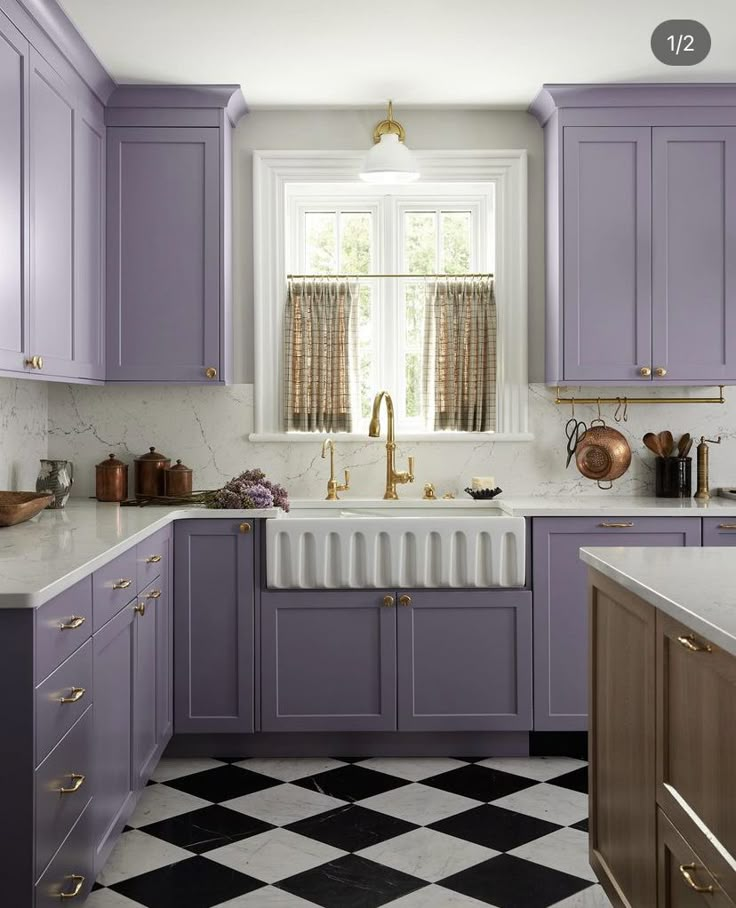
{"x": 194, "y": 883}
{"x": 479, "y": 782}
{"x": 210, "y": 827}
{"x": 223, "y": 783}
{"x": 582, "y": 825}
{"x": 350, "y": 759}
{"x": 508, "y": 882}
{"x": 351, "y": 783}
{"x": 495, "y": 827}
{"x": 351, "y": 827}
{"x": 351, "y": 881}
{"x": 577, "y": 780}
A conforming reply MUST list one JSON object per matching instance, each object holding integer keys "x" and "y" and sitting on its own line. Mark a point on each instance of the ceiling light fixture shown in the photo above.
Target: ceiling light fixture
{"x": 389, "y": 161}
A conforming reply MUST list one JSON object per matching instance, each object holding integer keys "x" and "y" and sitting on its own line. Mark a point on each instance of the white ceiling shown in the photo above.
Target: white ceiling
{"x": 358, "y": 53}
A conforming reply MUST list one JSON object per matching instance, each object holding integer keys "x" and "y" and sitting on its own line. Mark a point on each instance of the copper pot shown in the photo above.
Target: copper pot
{"x": 111, "y": 480}
{"x": 149, "y": 474}
{"x": 178, "y": 481}
{"x": 603, "y": 454}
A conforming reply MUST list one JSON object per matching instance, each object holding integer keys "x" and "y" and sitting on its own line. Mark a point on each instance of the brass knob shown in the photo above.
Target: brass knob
{"x": 140, "y": 608}
{"x": 388, "y": 601}
{"x": 210, "y": 372}
{"x": 660, "y": 372}
{"x": 39, "y": 362}
{"x": 245, "y": 528}
{"x": 645, "y": 371}
{"x": 35, "y": 362}
{"x": 405, "y": 600}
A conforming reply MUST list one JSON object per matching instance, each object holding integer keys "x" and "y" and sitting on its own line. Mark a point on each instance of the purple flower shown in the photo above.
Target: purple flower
{"x": 260, "y": 495}
{"x": 251, "y": 489}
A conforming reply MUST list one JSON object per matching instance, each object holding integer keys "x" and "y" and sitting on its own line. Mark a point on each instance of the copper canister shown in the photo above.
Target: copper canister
{"x": 149, "y": 474}
{"x": 111, "y": 480}
{"x": 177, "y": 481}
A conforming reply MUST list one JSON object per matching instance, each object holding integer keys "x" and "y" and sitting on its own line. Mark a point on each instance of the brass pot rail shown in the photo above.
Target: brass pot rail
{"x": 639, "y": 400}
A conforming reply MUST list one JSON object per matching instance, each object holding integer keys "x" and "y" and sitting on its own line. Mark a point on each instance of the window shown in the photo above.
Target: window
{"x": 313, "y": 218}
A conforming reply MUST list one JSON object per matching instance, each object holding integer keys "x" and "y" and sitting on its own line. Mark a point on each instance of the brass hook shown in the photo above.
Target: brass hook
{"x": 626, "y": 409}
{"x": 599, "y": 410}
{"x": 617, "y": 412}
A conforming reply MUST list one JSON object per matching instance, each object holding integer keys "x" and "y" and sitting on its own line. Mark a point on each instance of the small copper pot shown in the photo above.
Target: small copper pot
{"x": 603, "y": 454}
{"x": 177, "y": 481}
{"x": 111, "y": 480}
{"x": 149, "y": 474}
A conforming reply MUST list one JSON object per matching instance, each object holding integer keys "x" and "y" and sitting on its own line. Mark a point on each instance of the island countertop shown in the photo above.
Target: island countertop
{"x": 692, "y": 585}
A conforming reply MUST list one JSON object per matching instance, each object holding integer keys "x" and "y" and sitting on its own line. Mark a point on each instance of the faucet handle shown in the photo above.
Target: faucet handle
{"x": 346, "y": 485}
{"x": 411, "y": 470}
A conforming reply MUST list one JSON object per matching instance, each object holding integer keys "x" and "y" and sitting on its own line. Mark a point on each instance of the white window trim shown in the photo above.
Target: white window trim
{"x": 507, "y": 170}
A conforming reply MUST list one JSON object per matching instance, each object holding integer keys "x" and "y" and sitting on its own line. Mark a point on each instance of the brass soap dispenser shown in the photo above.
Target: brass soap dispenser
{"x": 703, "y": 493}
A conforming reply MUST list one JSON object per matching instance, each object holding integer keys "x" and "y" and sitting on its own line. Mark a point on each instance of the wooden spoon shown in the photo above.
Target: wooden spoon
{"x": 666, "y": 442}
{"x": 682, "y": 444}
{"x": 652, "y": 442}
{"x": 686, "y": 449}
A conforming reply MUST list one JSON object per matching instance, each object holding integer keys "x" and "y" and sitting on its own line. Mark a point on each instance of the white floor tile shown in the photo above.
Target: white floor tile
{"x": 283, "y": 804}
{"x": 427, "y": 854}
{"x": 275, "y": 855}
{"x": 108, "y": 898}
{"x": 176, "y": 768}
{"x": 541, "y": 769}
{"x": 548, "y": 802}
{"x": 158, "y": 802}
{"x": 268, "y": 897}
{"x": 287, "y": 770}
{"x": 136, "y": 853}
{"x": 437, "y": 897}
{"x": 419, "y": 803}
{"x": 412, "y": 768}
{"x": 565, "y": 849}
{"x": 594, "y": 897}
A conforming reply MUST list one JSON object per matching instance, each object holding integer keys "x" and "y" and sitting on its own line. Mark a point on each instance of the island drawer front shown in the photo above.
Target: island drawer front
{"x": 113, "y": 587}
{"x": 71, "y": 867}
{"x": 152, "y": 557}
{"x": 696, "y": 715}
{"x": 62, "y": 625}
{"x": 680, "y": 869}
{"x": 71, "y": 681}
{"x": 68, "y": 766}
{"x": 719, "y": 531}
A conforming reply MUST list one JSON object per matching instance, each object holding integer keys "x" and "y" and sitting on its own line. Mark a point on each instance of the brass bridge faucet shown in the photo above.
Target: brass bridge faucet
{"x": 374, "y": 431}
{"x": 332, "y": 487}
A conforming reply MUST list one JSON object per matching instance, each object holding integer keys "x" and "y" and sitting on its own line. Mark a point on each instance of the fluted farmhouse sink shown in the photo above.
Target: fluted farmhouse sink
{"x": 384, "y": 548}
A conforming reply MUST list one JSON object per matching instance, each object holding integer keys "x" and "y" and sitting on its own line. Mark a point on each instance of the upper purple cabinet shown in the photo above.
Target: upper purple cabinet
{"x": 641, "y": 243}
{"x": 168, "y": 233}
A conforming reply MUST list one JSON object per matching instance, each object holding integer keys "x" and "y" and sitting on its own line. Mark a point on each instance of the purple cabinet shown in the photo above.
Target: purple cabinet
{"x": 719, "y": 531}
{"x": 561, "y": 603}
{"x": 164, "y": 647}
{"x": 464, "y": 660}
{"x": 214, "y": 625}
{"x": 328, "y": 661}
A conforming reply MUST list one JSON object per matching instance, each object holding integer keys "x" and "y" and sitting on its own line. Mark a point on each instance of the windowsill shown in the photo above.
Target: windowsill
{"x": 436, "y": 437}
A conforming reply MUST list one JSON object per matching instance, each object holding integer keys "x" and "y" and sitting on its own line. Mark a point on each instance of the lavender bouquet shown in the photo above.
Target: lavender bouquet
{"x": 250, "y": 490}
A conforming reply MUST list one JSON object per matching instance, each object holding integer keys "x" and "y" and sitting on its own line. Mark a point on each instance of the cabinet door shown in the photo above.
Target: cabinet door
{"x": 113, "y": 682}
{"x": 560, "y": 604}
{"x": 213, "y": 626}
{"x": 607, "y": 309}
{"x": 464, "y": 660}
{"x": 14, "y": 52}
{"x": 328, "y": 661}
{"x": 719, "y": 532}
{"x": 694, "y": 254}
{"x": 163, "y": 254}
{"x": 146, "y": 675}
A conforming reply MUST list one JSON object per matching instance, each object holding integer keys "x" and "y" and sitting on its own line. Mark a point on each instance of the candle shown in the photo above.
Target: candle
{"x": 483, "y": 482}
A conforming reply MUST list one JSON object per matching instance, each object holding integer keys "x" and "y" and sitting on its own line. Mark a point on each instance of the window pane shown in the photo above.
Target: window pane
{"x": 355, "y": 242}
{"x": 321, "y": 242}
{"x": 456, "y": 241}
{"x": 414, "y": 309}
{"x": 420, "y": 242}
{"x": 366, "y": 358}
{"x": 412, "y": 385}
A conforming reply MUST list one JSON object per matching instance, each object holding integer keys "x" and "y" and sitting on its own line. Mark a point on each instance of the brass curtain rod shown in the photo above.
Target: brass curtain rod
{"x": 641, "y": 400}
{"x": 290, "y": 277}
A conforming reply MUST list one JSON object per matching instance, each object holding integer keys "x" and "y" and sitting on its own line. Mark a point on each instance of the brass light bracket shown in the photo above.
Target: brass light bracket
{"x": 389, "y": 125}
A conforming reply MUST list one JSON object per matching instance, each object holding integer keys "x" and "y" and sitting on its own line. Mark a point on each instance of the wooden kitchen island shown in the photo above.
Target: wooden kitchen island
{"x": 663, "y": 725}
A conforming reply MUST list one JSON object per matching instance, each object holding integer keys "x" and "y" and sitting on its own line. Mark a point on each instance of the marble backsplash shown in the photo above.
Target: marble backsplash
{"x": 208, "y": 429}
{"x": 23, "y": 422}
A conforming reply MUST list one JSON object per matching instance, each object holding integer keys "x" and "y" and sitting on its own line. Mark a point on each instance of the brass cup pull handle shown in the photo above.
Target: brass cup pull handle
{"x": 687, "y": 871}
{"x": 121, "y": 584}
{"x": 388, "y": 601}
{"x": 245, "y": 528}
{"x": 73, "y": 623}
{"x": 645, "y": 371}
{"x": 615, "y": 526}
{"x": 691, "y": 643}
{"x": 78, "y": 881}
{"x": 405, "y": 600}
{"x": 210, "y": 372}
{"x": 140, "y": 608}
{"x": 154, "y": 594}
{"x": 77, "y": 781}
{"x": 76, "y": 694}
{"x": 153, "y": 559}
{"x": 660, "y": 372}
{"x": 727, "y": 526}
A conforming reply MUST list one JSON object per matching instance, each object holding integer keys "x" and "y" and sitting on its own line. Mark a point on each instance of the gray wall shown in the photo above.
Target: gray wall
{"x": 269, "y": 130}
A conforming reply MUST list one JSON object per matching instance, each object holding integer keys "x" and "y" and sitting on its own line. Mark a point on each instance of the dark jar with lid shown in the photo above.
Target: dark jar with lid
{"x": 149, "y": 474}
{"x": 111, "y": 480}
{"x": 178, "y": 481}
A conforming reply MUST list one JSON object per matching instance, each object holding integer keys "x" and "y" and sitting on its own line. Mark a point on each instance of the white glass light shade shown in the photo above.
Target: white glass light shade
{"x": 389, "y": 161}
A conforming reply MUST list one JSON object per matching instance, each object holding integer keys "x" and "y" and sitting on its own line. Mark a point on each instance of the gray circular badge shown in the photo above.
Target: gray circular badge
{"x": 681, "y": 42}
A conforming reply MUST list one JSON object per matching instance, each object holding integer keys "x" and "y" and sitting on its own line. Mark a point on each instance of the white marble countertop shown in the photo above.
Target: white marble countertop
{"x": 692, "y": 585}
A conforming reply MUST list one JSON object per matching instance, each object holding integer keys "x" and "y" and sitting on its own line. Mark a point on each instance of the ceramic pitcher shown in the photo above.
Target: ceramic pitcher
{"x": 57, "y": 478}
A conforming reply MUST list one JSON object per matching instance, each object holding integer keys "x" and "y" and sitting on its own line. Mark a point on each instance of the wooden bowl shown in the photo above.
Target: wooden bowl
{"x": 15, "y": 507}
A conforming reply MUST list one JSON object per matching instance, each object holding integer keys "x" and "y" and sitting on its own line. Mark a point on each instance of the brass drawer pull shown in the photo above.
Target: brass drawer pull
{"x": 245, "y": 528}
{"x": 388, "y": 601}
{"x": 687, "y": 871}
{"x": 73, "y": 623}
{"x": 154, "y": 594}
{"x": 153, "y": 559}
{"x": 76, "y": 694}
{"x": 690, "y": 642}
{"x": 140, "y": 608}
{"x": 615, "y": 526}
{"x": 78, "y": 881}
{"x": 405, "y": 600}
{"x": 727, "y": 526}
{"x": 77, "y": 782}
{"x": 121, "y": 584}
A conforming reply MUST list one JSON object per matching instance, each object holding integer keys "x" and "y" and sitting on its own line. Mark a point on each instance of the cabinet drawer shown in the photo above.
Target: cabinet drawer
{"x": 719, "y": 531}
{"x": 70, "y": 868}
{"x": 63, "y": 786}
{"x": 62, "y": 698}
{"x": 684, "y": 880}
{"x": 113, "y": 586}
{"x": 62, "y": 625}
{"x": 152, "y": 557}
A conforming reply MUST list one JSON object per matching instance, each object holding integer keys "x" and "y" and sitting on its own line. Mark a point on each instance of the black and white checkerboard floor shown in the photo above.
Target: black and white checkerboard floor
{"x": 346, "y": 833}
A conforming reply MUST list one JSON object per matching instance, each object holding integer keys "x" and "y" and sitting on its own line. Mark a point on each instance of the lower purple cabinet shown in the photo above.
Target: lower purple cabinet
{"x": 214, "y": 625}
{"x": 561, "y": 603}
{"x": 719, "y": 531}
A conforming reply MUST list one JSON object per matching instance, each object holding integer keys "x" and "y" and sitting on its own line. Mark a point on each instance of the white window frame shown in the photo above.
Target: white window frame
{"x": 274, "y": 171}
